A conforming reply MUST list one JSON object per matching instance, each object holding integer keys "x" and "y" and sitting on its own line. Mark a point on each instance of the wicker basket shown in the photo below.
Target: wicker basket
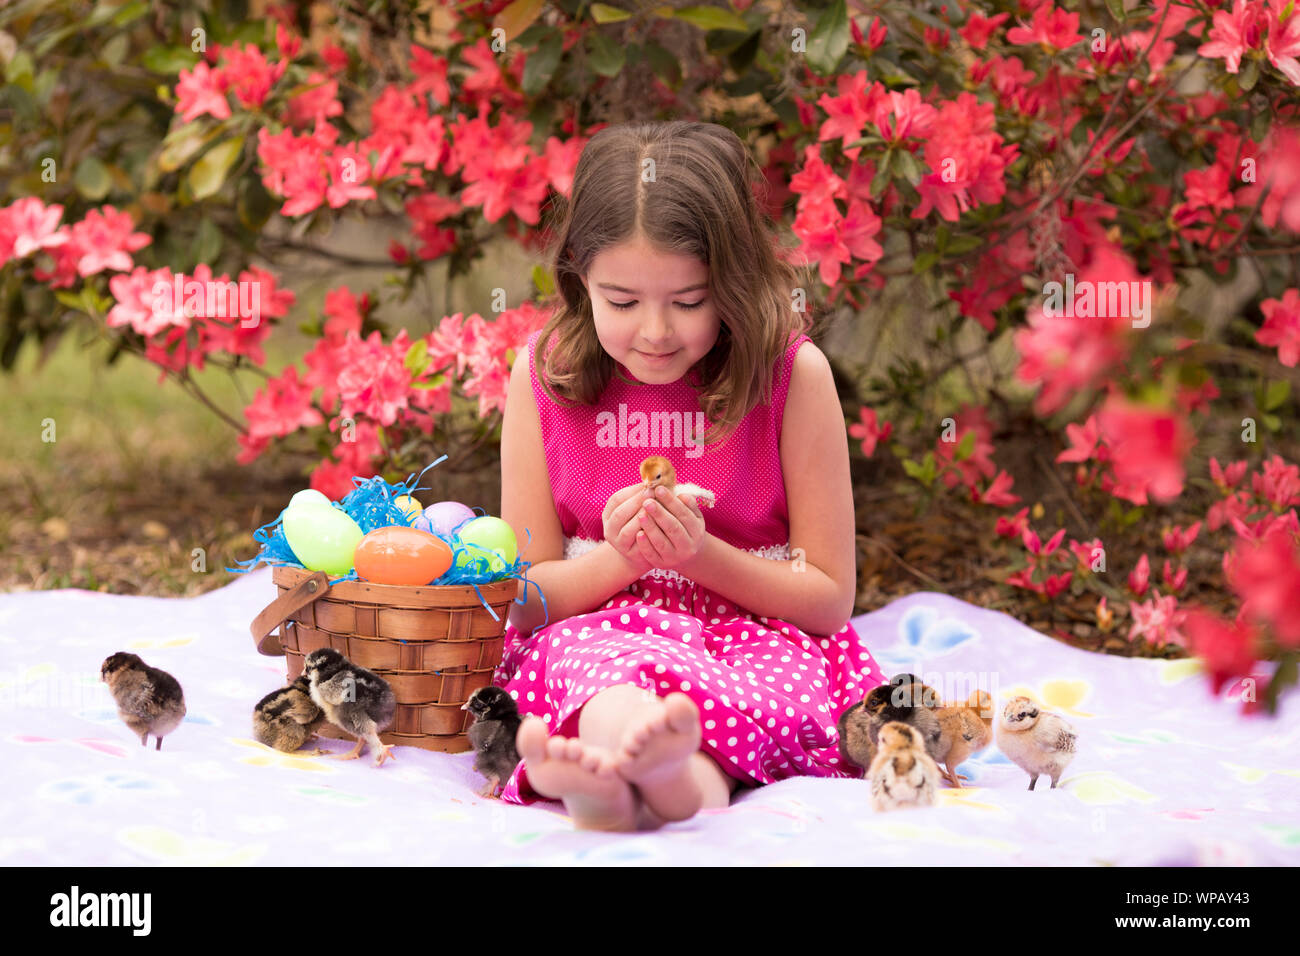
{"x": 434, "y": 645}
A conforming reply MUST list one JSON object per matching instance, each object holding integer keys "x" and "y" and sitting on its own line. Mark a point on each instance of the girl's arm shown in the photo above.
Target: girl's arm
{"x": 814, "y": 590}
{"x": 571, "y": 587}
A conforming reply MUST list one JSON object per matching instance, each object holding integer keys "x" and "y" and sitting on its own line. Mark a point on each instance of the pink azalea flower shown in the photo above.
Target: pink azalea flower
{"x": 979, "y": 28}
{"x": 104, "y": 240}
{"x": 1083, "y": 440}
{"x": 1148, "y": 446}
{"x": 319, "y": 102}
{"x": 980, "y": 461}
{"x": 1037, "y": 548}
{"x": 1232, "y": 508}
{"x": 249, "y": 75}
{"x": 998, "y": 493}
{"x": 202, "y": 90}
{"x": 1267, "y": 576}
{"x": 374, "y": 381}
{"x": 1083, "y": 550}
{"x": 1283, "y": 44}
{"x": 868, "y": 430}
{"x": 349, "y": 175}
{"x": 1173, "y": 582}
{"x": 1227, "y": 478}
{"x": 820, "y": 231}
{"x": 904, "y": 114}
{"x": 1277, "y": 483}
{"x": 1226, "y": 649}
{"x": 1024, "y": 579}
{"x": 1176, "y": 540}
{"x": 848, "y": 113}
{"x": 1014, "y": 526}
{"x": 1282, "y": 325}
{"x": 1053, "y": 29}
{"x": 1233, "y": 34}
{"x": 1140, "y": 576}
{"x": 137, "y": 306}
{"x": 281, "y": 407}
{"x": 1159, "y": 620}
{"x": 29, "y": 225}
{"x": 1057, "y": 583}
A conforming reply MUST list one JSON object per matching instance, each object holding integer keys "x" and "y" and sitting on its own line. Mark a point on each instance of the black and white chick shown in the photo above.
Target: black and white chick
{"x": 904, "y": 699}
{"x": 149, "y": 701}
{"x": 355, "y": 700}
{"x": 287, "y": 717}
{"x": 492, "y": 735}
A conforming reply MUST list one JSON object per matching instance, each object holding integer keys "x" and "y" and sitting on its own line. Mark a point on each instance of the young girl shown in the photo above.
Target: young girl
{"x": 687, "y": 651}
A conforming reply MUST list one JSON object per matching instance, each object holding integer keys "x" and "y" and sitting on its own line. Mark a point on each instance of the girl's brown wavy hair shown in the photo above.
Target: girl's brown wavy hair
{"x": 703, "y": 202}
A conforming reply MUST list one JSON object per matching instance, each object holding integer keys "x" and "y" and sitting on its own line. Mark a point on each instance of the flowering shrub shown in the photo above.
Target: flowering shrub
{"x": 1054, "y": 177}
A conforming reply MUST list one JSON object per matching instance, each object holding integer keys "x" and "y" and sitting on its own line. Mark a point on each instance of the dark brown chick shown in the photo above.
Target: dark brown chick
{"x": 149, "y": 701}
{"x": 904, "y": 699}
{"x": 496, "y": 722}
{"x": 355, "y": 700}
{"x": 287, "y": 717}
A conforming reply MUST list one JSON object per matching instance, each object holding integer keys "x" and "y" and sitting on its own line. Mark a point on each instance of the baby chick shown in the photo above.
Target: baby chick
{"x": 1038, "y": 741}
{"x": 496, "y": 721}
{"x": 904, "y": 699}
{"x": 656, "y": 471}
{"x": 964, "y": 729}
{"x": 902, "y": 775}
{"x": 149, "y": 701}
{"x": 287, "y": 718}
{"x": 354, "y": 700}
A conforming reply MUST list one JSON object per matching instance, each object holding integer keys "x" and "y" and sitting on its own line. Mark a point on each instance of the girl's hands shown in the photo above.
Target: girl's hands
{"x": 671, "y": 530}
{"x": 621, "y": 523}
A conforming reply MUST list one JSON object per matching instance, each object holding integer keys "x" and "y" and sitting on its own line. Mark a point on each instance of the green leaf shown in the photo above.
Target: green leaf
{"x": 604, "y": 13}
{"x": 715, "y": 18}
{"x": 925, "y": 262}
{"x": 181, "y": 144}
{"x": 208, "y": 174}
{"x": 1275, "y": 394}
{"x": 1270, "y": 421}
{"x": 907, "y": 166}
{"x": 1116, "y": 8}
{"x": 207, "y": 243}
{"x": 606, "y": 56}
{"x": 71, "y": 299}
{"x": 542, "y": 279}
{"x": 517, "y": 17}
{"x": 916, "y": 471}
{"x": 541, "y": 63}
{"x": 1259, "y": 125}
{"x": 169, "y": 60}
{"x": 417, "y": 357}
{"x": 1249, "y": 75}
{"x": 663, "y": 63}
{"x": 829, "y": 39}
{"x": 92, "y": 179}
{"x": 130, "y": 12}
{"x": 965, "y": 447}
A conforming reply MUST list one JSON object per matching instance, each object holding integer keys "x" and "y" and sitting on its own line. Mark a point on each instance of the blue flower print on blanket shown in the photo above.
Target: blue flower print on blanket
{"x": 923, "y": 634}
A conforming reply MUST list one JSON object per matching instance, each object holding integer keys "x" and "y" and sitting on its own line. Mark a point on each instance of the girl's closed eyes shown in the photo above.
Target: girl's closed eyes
{"x": 622, "y": 306}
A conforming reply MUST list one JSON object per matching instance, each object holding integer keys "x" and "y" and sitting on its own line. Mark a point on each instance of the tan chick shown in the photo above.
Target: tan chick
{"x": 902, "y": 774}
{"x": 287, "y": 718}
{"x": 149, "y": 701}
{"x": 656, "y": 471}
{"x": 964, "y": 729}
{"x": 1036, "y": 740}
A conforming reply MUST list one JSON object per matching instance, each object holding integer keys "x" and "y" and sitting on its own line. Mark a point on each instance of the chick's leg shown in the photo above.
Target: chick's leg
{"x": 381, "y": 750}
{"x": 354, "y": 753}
{"x": 1033, "y": 780}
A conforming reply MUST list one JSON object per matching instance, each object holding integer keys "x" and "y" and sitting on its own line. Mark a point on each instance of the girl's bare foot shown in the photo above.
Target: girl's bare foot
{"x": 583, "y": 776}
{"x": 655, "y": 757}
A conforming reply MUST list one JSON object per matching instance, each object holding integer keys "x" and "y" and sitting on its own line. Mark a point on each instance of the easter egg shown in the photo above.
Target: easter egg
{"x": 322, "y": 537}
{"x": 308, "y": 496}
{"x": 491, "y": 534}
{"x": 408, "y": 504}
{"x": 476, "y": 559}
{"x": 403, "y": 556}
{"x": 444, "y": 517}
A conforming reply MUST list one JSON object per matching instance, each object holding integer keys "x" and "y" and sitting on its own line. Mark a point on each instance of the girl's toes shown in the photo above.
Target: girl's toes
{"x": 531, "y": 740}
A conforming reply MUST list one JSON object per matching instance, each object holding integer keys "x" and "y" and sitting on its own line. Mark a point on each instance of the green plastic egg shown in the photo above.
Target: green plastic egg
{"x": 323, "y": 538}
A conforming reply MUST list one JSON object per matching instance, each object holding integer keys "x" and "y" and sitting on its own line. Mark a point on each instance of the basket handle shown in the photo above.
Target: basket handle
{"x": 275, "y": 613}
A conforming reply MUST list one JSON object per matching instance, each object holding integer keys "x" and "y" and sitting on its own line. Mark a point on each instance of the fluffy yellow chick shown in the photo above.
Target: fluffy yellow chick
{"x": 902, "y": 773}
{"x": 964, "y": 729}
{"x": 657, "y": 470}
{"x": 1038, "y": 741}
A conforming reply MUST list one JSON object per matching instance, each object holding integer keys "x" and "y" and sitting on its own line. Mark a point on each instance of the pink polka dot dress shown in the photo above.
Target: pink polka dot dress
{"x": 769, "y": 694}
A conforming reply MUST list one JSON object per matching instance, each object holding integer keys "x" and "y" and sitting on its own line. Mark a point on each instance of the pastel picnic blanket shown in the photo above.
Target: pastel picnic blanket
{"x": 1165, "y": 773}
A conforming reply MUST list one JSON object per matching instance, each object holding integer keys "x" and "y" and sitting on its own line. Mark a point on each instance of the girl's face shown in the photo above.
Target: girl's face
{"x": 652, "y": 311}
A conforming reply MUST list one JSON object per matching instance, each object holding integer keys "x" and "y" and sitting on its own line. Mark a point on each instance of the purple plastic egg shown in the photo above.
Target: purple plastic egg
{"x": 444, "y": 517}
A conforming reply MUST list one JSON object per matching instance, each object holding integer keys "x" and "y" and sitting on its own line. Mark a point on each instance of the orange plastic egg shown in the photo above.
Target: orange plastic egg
{"x": 399, "y": 555}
